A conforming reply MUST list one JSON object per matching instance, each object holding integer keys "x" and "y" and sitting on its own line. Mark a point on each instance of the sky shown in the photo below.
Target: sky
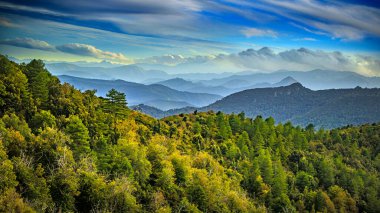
{"x": 210, "y": 36}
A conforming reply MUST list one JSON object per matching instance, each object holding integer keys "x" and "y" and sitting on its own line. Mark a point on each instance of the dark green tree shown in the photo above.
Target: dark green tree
{"x": 116, "y": 105}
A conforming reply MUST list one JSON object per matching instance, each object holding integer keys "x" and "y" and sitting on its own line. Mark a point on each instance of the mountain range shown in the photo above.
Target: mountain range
{"x": 223, "y": 90}
{"x": 297, "y": 104}
{"x": 314, "y": 79}
{"x": 130, "y": 73}
{"x": 312, "y": 100}
{"x": 155, "y": 95}
{"x": 217, "y": 83}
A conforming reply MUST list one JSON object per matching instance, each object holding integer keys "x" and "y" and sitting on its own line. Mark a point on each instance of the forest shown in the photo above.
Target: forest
{"x": 63, "y": 150}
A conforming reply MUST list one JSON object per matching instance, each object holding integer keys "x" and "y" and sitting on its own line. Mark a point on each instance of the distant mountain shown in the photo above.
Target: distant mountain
{"x": 189, "y": 86}
{"x": 285, "y": 82}
{"x": 178, "y": 84}
{"x": 324, "y": 108}
{"x": 158, "y": 113}
{"x": 236, "y": 83}
{"x": 295, "y": 103}
{"x": 155, "y": 95}
{"x": 134, "y": 73}
{"x": 315, "y": 79}
{"x": 167, "y": 104}
{"x": 129, "y": 73}
{"x": 216, "y": 83}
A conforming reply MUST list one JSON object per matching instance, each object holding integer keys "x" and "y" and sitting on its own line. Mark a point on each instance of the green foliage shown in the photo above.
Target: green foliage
{"x": 78, "y": 133}
{"x": 14, "y": 94}
{"x": 39, "y": 80}
{"x": 70, "y": 151}
{"x": 42, "y": 119}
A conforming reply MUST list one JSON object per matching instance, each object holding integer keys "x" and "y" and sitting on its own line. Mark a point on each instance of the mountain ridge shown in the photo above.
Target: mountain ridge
{"x": 325, "y": 108}
{"x": 139, "y": 93}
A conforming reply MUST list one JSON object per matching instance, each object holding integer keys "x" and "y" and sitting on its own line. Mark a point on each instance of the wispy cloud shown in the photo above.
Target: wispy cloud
{"x": 6, "y": 23}
{"x": 149, "y": 17}
{"x": 305, "y": 39}
{"x": 89, "y": 50}
{"x": 341, "y": 20}
{"x": 28, "y": 43}
{"x": 255, "y": 32}
{"x": 191, "y": 18}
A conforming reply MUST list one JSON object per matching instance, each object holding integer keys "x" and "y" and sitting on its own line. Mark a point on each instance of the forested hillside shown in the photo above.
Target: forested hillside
{"x": 62, "y": 150}
{"x": 324, "y": 108}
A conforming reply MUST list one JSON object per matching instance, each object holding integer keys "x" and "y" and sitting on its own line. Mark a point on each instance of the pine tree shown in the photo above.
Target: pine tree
{"x": 78, "y": 132}
{"x": 116, "y": 105}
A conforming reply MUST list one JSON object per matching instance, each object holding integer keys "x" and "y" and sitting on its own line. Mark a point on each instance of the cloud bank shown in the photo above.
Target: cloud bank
{"x": 266, "y": 60}
{"x": 89, "y": 50}
{"x": 28, "y": 43}
{"x": 72, "y": 48}
{"x": 173, "y": 60}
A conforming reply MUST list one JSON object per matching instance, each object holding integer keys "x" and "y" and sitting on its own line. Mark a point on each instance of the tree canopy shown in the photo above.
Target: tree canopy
{"x": 62, "y": 150}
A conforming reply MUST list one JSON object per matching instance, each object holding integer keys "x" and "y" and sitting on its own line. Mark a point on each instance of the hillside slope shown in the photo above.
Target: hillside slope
{"x": 295, "y": 103}
{"x": 63, "y": 150}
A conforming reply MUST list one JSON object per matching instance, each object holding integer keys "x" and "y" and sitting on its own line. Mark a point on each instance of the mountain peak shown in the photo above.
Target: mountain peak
{"x": 296, "y": 85}
{"x": 288, "y": 80}
{"x": 285, "y": 82}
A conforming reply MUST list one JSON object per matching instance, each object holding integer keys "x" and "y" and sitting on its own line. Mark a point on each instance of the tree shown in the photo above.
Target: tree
{"x": 265, "y": 163}
{"x": 64, "y": 181}
{"x": 116, "y": 105}
{"x": 243, "y": 140}
{"x": 39, "y": 79}
{"x": 326, "y": 172}
{"x": 280, "y": 185}
{"x": 14, "y": 93}
{"x": 79, "y": 136}
{"x": 304, "y": 180}
{"x": 7, "y": 176}
{"x": 342, "y": 201}
{"x": 224, "y": 129}
{"x": 33, "y": 184}
{"x": 41, "y": 120}
{"x": 323, "y": 202}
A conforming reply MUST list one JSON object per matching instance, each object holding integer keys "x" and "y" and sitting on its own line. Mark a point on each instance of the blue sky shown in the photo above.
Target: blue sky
{"x": 136, "y": 31}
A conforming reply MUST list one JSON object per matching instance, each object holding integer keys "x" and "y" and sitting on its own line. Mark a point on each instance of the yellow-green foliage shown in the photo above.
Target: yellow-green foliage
{"x": 62, "y": 150}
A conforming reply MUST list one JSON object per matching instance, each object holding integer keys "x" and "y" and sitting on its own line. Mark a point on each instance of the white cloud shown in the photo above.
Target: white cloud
{"x": 28, "y": 43}
{"x": 173, "y": 60}
{"x": 89, "y": 50}
{"x": 255, "y": 32}
{"x": 304, "y": 59}
{"x": 266, "y": 60}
